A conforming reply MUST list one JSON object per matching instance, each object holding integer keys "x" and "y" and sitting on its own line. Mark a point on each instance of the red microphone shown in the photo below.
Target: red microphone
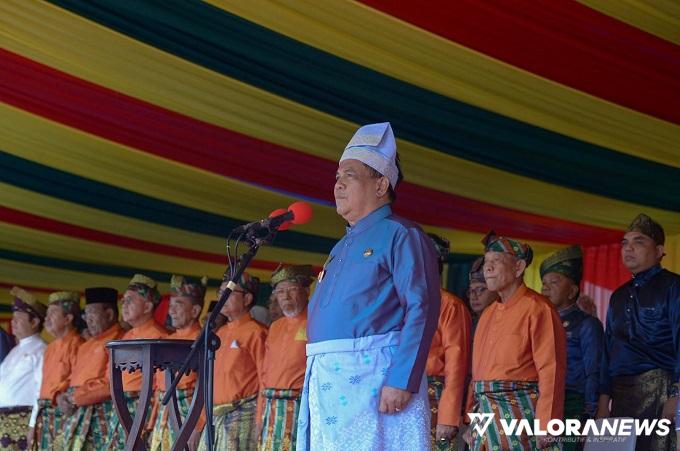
{"x": 297, "y": 213}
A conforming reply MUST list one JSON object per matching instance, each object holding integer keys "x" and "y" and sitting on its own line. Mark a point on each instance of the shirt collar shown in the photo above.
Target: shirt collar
{"x": 27, "y": 340}
{"x": 69, "y": 335}
{"x": 112, "y": 330}
{"x": 188, "y": 331}
{"x": 149, "y": 324}
{"x": 370, "y": 219}
{"x": 244, "y": 319}
{"x": 302, "y": 316}
{"x": 516, "y": 296}
{"x": 642, "y": 278}
{"x": 566, "y": 311}
{"x": 143, "y": 329}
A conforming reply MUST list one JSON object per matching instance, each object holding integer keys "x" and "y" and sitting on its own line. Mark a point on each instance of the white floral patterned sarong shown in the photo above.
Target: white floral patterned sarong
{"x": 340, "y": 399}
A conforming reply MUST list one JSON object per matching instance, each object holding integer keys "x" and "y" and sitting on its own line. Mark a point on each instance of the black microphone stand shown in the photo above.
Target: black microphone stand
{"x": 207, "y": 342}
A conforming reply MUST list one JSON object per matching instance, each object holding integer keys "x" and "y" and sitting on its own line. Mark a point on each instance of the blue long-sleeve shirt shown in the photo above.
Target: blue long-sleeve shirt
{"x": 381, "y": 277}
{"x": 643, "y": 327}
{"x": 584, "y": 350}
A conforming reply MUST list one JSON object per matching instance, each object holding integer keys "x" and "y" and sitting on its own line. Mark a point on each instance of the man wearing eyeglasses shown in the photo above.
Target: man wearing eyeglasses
{"x": 285, "y": 359}
{"x": 88, "y": 400}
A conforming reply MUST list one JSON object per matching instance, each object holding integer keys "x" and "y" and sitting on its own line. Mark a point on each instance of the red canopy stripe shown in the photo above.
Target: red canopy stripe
{"x": 29, "y": 220}
{"x": 561, "y": 40}
{"x": 114, "y": 116}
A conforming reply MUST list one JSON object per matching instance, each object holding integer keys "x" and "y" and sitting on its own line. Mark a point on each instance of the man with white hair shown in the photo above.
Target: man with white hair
{"x": 284, "y": 363}
{"x": 519, "y": 351}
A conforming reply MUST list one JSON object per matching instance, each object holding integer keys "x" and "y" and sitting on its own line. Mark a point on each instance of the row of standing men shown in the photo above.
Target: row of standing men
{"x": 260, "y": 373}
{"x": 57, "y": 395}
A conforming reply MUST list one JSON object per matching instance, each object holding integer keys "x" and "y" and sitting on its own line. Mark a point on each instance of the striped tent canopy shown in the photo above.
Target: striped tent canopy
{"x": 135, "y": 135}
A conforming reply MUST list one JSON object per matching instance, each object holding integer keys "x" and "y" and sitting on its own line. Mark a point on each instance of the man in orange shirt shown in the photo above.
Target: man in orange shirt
{"x": 285, "y": 359}
{"x": 561, "y": 275}
{"x": 87, "y": 403}
{"x": 63, "y": 313}
{"x": 238, "y": 370}
{"x": 447, "y": 362}
{"x": 186, "y": 304}
{"x": 519, "y": 351}
{"x": 139, "y": 302}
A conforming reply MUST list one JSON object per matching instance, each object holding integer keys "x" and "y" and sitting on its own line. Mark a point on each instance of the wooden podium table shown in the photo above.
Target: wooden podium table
{"x": 148, "y": 356}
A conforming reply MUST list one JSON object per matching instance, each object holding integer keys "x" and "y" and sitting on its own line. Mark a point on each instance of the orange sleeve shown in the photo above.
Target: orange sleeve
{"x": 261, "y": 378}
{"x": 200, "y": 423}
{"x": 456, "y": 346}
{"x": 70, "y": 363}
{"x": 97, "y": 388}
{"x": 469, "y": 403}
{"x": 153, "y": 415}
{"x": 548, "y": 342}
{"x": 93, "y": 391}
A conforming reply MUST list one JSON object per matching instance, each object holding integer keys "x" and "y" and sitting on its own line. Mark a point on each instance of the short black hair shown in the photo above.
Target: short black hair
{"x": 391, "y": 193}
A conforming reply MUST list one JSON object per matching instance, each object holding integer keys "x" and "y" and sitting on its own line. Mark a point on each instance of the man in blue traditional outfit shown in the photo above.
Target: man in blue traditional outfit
{"x": 561, "y": 275}
{"x": 372, "y": 316}
{"x": 640, "y": 372}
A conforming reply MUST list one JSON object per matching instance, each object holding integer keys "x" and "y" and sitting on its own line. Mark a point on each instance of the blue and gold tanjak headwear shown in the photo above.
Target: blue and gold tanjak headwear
{"x": 568, "y": 262}
{"x": 495, "y": 243}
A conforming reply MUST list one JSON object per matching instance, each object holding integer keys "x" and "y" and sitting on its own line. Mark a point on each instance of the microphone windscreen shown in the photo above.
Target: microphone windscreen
{"x": 280, "y": 211}
{"x": 302, "y": 212}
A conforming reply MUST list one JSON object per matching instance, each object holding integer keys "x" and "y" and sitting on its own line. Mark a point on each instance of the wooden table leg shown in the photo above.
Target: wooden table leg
{"x": 174, "y": 414}
{"x": 195, "y": 411}
{"x": 119, "y": 401}
{"x": 134, "y": 440}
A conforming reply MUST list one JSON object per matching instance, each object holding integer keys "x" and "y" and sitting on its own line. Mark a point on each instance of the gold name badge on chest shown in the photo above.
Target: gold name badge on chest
{"x": 368, "y": 252}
